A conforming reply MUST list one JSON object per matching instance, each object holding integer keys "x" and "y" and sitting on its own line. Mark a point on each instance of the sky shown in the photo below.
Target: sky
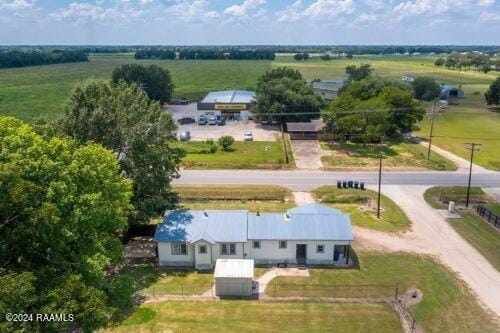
{"x": 249, "y": 22}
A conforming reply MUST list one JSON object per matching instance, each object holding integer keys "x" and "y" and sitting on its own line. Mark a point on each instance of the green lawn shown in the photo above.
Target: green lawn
{"x": 495, "y": 208}
{"x": 263, "y": 198}
{"x": 469, "y": 121}
{"x": 397, "y": 155}
{"x": 31, "y": 92}
{"x": 265, "y": 317}
{"x": 393, "y": 219}
{"x": 447, "y": 305}
{"x": 473, "y": 228}
{"x": 150, "y": 281}
{"x": 243, "y": 155}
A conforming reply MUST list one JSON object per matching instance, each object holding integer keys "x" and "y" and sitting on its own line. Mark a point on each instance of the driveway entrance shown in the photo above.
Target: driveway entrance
{"x": 307, "y": 154}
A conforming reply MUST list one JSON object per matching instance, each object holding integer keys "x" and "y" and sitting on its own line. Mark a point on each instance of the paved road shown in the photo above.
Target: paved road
{"x": 307, "y": 180}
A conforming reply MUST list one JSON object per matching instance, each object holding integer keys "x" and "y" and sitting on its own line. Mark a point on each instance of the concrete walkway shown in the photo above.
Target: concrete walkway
{"x": 430, "y": 233}
{"x": 461, "y": 163}
{"x": 268, "y": 276}
{"x": 307, "y": 154}
{"x": 302, "y": 198}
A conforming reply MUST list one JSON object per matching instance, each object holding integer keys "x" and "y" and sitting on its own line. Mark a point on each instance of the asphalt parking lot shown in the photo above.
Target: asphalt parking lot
{"x": 236, "y": 129}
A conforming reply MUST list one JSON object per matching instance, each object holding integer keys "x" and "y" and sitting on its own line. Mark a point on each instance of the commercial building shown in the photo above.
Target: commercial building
{"x": 309, "y": 234}
{"x": 229, "y": 104}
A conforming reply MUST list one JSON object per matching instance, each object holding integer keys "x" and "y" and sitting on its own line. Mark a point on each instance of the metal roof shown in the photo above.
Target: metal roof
{"x": 312, "y": 126}
{"x": 195, "y": 225}
{"x": 300, "y": 226}
{"x": 234, "y": 268}
{"x": 314, "y": 208}
{"x": 230, "y": 96}
{"x": 306, "y": 222}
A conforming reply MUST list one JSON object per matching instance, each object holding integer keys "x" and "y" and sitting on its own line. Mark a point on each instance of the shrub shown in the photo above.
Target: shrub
{"x": 226, "y": 141}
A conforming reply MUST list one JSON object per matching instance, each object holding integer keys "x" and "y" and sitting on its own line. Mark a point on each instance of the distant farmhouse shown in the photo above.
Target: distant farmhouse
{"x": 229, "y": 104}
{"x": 309, "y": 234}
{"x": 327, "y": 89}
{"x": 408, "y": 78}
{"x": 451, "y": 92}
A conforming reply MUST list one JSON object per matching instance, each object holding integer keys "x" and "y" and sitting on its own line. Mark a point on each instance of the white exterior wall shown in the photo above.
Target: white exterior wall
{"x": 270, "y": 253}
{"x": 203, "y": 260}
{"x": 166, "y": 258}
{"x": 217, "y": 255}
{"x": 229, "y": 286}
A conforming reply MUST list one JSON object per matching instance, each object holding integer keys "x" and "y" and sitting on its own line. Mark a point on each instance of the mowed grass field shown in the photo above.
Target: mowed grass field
{"x": 265, "y": 317}
{"x": 447, "y": 304}
{"x": 42, "y": 91}
{"x": 32, "y": 92}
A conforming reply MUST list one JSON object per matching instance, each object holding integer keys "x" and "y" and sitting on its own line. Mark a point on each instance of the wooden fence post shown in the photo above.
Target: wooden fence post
{"x": 396, "y": 290}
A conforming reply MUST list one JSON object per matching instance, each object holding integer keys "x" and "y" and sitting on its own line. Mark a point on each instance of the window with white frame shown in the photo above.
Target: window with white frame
{"x": 256, "y": 244}
{"x": 228, "y": 248}
{"x": 179, "y": 249}
{"x": 282, "y": 244}
{"x": 202, "y": 249}
{"x": 320, "y": 248}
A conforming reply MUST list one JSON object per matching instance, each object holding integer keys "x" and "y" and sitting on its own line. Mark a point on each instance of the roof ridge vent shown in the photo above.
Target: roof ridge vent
{"x": 287, "y": 216}
{"x": 205, "y": 214}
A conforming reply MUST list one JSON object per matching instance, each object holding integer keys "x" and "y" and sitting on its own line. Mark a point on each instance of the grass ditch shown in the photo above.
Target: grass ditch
{"x": 264, "y": 198}
{"x": 473, "y": 228}
{"x": 361, "y": 204}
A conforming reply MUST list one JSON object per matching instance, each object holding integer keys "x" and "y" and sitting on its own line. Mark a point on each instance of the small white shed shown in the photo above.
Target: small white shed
{"x": 233, "y": 277}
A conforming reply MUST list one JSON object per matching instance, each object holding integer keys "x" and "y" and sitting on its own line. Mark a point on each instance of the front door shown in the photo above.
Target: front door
{"x": 301, "y": 253}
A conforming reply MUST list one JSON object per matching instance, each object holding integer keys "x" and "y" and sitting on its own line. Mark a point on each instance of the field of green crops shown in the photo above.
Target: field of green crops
{"x": 33, "y": 92}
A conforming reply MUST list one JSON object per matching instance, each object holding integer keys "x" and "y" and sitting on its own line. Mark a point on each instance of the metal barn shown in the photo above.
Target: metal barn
{"x": 233, "y": 277}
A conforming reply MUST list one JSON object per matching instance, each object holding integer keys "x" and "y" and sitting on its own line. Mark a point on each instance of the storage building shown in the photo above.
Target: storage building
{"x": 233, "y": 277}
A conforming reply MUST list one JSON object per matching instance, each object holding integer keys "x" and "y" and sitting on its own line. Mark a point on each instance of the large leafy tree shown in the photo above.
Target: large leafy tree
{"x": 492, "y": 96}
{"x": 372, "y": 109}
{"x": 426, "y": 88}
{"x": 282, "y": 94}
{"x": 358, "y": 73}
{"x": 61, "y": 208}
{"x": 154, "y": 80}
{"x": 125, "y": 121}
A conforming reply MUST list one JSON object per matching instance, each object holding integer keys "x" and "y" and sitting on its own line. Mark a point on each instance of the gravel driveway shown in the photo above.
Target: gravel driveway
{"x": 431, "y": 234}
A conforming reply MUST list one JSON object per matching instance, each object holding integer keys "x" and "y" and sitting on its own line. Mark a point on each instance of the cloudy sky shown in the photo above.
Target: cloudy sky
{"x": 187, "y": 22}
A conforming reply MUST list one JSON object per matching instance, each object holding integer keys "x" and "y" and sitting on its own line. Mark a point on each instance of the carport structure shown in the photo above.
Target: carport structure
{"x": 305, "y": 130}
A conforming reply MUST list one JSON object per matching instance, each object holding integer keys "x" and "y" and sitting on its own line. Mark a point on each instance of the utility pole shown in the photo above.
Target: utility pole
{"x": 379, "y": 183}
{"x": 432, "y": 130}
{"x": 472, "y": 148}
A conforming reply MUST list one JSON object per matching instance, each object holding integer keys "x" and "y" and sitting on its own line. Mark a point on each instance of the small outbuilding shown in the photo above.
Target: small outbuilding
{"x": 305, "y": 130}
{"x": 234, "y": 277}
{"x": 451, "y": 92}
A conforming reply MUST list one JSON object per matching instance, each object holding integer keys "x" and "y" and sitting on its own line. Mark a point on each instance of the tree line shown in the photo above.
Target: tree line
{"x": 467, "y": 60}
{"x": 16, "y": 58}
{"x": 205, "y": 54}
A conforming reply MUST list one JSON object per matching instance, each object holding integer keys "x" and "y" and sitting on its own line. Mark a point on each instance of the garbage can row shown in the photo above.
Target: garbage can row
{"x": 350, "y": 184}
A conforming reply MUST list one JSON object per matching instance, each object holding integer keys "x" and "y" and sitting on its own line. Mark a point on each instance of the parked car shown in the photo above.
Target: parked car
{"x": 180, "y": 101}
{"x": 185, "y": 136}
{"x": 186, "y": 120}
{"x": 248, "y": 136}
{"x": 202, "y": 120}
{"x": 265, "y": 122}
{"x": 221, "y": 122}
{"x": 212, "y": 121}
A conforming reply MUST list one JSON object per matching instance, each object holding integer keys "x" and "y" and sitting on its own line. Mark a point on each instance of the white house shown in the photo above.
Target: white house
{"x": 310, "y": 234}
